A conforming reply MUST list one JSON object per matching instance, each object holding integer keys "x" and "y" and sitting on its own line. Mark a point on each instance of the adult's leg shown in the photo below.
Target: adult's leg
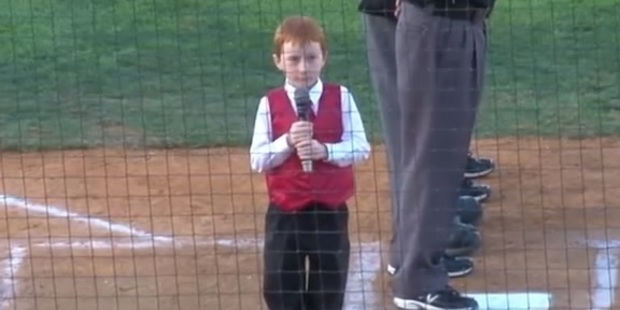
{"x": 440, "y": 66}
{"x": 284, "y": 265}
{"x": 380, "y": 46}
{"x": 326, "y": 239}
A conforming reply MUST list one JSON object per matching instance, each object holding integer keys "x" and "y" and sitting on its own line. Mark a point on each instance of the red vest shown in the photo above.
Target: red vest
{"x": 289, "y": 187}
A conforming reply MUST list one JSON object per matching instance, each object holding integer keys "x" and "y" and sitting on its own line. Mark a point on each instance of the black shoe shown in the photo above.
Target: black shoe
{"x": 481, "y": 192}
{"x": 458, "y": 266}
{"x": 446, "y": 299}
{"x": 464, "y": 240}
{"x": 478, "y": 167}
{"x": 469, "y": 210}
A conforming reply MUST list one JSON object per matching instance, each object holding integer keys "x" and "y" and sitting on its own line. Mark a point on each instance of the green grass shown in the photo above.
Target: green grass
{"x": 554, "y": 69}
{"x": 168, "y": 73}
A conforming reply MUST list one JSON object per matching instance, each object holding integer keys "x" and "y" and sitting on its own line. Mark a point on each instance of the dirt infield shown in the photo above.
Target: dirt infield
{"x": 181, "y": 229}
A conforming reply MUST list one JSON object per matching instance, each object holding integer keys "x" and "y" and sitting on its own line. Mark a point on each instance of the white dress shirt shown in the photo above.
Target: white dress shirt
{"x": 266, "y": 154}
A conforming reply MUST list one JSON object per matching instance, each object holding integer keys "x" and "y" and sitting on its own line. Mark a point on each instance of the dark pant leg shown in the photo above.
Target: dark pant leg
{"x": 326, "y": 240}
{"x": 440, "y": 68}
{"x": 380, "y": 46}
{"x": 284, "y": 263}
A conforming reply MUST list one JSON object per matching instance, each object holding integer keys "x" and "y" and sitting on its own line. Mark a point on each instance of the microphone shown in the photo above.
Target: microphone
{"x": 304, "y": 104}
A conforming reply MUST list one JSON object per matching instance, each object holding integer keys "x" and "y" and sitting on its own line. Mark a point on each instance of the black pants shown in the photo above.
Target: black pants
{"x": 317, "y": 234}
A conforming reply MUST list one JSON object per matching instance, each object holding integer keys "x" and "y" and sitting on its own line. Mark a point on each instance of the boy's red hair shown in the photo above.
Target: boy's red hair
{"x": 299, "y": 30}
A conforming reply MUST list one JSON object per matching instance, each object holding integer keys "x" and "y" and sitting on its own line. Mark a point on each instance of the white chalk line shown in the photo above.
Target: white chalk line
{"x": 10, "y": 267}
{"x": 8, "y": 285}
{"x": 52, "y": 211}
{"x": 605, "y": 273}
{"x": 366, "y": 265}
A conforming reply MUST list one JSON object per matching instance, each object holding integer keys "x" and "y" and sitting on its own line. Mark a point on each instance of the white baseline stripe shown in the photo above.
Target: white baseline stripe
{"x": 605, "y": 273}
{"x": 10, "y": 268}
{"x": 365, "y": 268}
{"x": 60, "y": 213}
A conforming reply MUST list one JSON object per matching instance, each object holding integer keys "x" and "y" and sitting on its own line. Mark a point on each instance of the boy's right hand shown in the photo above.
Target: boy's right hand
{"x": 300, "y": 131}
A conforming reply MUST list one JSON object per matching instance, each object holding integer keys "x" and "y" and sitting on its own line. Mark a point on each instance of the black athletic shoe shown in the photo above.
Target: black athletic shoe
{"x": 469, "y": 210}
{"x": 445, "y": 299}
{"x": 478, "y": 167}
{"x": 456, "y": 266}
{"x": 481, "y": 192}
{"x": 464, "y": 240}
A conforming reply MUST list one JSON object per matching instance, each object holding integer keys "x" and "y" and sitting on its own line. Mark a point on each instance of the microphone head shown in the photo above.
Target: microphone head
{"x": 302, "y": 100}
{"x": 302, "y": 94}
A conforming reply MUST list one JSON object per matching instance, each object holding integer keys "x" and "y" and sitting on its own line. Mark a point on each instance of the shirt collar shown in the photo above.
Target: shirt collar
{"x": 315, "y": 92}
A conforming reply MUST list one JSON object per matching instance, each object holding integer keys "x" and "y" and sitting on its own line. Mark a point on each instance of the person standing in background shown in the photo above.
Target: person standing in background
{"x": 428, "y": 81}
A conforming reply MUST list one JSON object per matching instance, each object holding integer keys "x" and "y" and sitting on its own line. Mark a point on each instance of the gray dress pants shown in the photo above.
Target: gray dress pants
{"x": 428, "y": 118}
{"x": 380, "y": 47}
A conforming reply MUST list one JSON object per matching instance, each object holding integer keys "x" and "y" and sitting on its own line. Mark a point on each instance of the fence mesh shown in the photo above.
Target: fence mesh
{"x": 125, "y": 127}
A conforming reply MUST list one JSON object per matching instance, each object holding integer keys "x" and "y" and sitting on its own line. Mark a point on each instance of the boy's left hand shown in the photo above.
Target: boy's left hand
{"x": 311, "y": 149}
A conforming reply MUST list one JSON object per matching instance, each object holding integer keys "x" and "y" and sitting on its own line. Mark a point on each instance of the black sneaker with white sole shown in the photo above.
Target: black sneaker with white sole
{"x": 469, "y": 210}
{"x": 478, "y": 167}
{"x": 458, "y": 266}
{"x": 480, "y": 192}
{"x": 445, "y": 299}
{"x": 464, "y": 240}
{"x": 455, "y": 266}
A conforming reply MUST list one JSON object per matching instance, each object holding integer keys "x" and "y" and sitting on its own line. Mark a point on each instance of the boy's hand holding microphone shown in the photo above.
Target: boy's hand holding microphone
{"x": 301, "y": 132}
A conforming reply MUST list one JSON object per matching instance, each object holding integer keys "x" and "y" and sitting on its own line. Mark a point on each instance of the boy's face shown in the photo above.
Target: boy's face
{"x": 301, "y": 63}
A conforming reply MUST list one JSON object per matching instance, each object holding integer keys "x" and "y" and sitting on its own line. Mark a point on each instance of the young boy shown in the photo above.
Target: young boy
{"x": 307, "y": 217}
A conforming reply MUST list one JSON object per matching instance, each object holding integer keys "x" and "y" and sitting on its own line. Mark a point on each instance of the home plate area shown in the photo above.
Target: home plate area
{"x": 140, "y": 270}
{"x": 143, "y": 270}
